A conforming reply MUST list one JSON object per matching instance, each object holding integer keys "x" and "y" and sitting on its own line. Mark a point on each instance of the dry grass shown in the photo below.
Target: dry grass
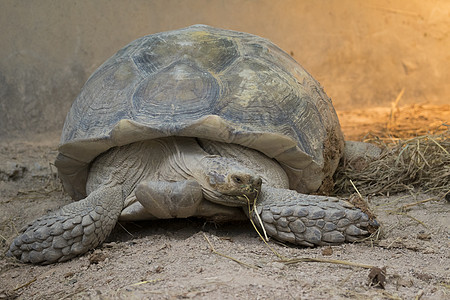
{"x": 415, "y": 156}
{"x": 418, "y": 163}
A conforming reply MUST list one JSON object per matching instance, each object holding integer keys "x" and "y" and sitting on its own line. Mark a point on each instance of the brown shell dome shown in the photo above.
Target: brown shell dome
{"x": 209, "y": 83}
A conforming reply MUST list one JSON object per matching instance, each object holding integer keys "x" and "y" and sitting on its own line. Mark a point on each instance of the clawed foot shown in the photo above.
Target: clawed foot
{"x": 55, "y": 237}
{"x": 311, "y": 220}
{"x": 72, "y": 230}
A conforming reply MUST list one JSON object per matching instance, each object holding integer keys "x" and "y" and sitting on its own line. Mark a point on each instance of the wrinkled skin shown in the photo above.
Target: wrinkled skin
{"x": 182, "y": 177}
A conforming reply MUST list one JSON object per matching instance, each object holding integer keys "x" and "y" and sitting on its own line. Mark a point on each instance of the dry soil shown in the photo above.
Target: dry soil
{"x": 173, "y": 259}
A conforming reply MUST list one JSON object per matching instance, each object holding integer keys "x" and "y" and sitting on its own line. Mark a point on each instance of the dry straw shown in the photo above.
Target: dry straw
{"x": 416, "y": 164}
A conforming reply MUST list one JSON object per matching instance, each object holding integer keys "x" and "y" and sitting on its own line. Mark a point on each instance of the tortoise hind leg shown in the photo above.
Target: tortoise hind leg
{"x": 360, "y": 154}
{"x": 310, "y": 220}
{"x": 72, "y": 230}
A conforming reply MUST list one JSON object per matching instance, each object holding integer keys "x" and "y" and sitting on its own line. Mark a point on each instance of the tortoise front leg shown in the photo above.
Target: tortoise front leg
{"x": 308, "y": 219}
{"x": 72, "y": 230}
{"x": 180, "y": 199}
{"x": 166, "y": 200}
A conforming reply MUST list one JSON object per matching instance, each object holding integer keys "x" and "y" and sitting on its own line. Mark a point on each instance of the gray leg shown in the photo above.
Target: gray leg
{"x": 310, "y": 220}
{"x": 134, "y": 211}
{"x": 360, "y": 154}
{"x": 166, "y": 200}
{"x": 219, "y": 213}
{"x": 70, "y": 231}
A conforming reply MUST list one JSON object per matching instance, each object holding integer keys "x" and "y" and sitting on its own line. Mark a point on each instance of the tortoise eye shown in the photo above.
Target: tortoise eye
{"x": 237, "y": 179}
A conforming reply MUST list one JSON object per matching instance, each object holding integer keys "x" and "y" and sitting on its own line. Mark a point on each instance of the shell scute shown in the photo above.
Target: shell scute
{"x": 208, "y": 83}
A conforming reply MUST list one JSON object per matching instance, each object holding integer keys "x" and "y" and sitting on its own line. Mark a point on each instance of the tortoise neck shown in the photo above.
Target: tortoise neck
{"x": 185, "y": 157}
{"x": 189, "y": 161}
{"x": 267, "y": 168}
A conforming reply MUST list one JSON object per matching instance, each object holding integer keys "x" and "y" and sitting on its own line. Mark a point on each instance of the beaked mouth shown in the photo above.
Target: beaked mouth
{"x": 249, "y": 197}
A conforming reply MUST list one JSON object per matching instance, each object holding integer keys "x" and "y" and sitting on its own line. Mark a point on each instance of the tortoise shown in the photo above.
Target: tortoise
{"x": 200, "y": 122}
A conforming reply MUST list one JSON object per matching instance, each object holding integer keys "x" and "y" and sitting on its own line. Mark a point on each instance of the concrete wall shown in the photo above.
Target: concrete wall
{"x": 363, "y": 52}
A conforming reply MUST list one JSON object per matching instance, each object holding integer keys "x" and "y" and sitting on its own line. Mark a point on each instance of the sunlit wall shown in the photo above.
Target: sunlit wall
{"x": 363, "y": 52}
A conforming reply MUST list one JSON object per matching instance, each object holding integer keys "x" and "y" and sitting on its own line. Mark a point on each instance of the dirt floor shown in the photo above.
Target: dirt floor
{"x": 173, "y": 259}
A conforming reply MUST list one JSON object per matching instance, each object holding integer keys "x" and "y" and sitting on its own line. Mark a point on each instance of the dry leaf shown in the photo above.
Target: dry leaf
{"x": 327, "y": 251}
{"x": 377, "y": 277}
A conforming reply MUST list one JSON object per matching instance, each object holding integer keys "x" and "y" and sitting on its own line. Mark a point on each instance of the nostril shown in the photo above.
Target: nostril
{"x": 258, "y": 181}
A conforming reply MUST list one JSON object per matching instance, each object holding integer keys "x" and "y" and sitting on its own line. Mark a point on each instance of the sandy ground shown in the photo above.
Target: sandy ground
{"x": 173, "y": 259}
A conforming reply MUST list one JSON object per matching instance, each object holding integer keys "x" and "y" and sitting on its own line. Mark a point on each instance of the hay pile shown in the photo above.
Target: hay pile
{"x": 419, "y": 163}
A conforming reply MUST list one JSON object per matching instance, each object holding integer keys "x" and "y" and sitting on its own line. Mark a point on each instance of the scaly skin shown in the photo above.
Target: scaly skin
{"x": 70, "y": 231}
{"x": 309, "y": 220}
{"x": 83, "y": 225}
{"x": 293, "y": 217}
{"x": 287, "y": 215}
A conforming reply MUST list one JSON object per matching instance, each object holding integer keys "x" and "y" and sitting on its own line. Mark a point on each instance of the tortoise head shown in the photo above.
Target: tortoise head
{"x": 229, "y": 183}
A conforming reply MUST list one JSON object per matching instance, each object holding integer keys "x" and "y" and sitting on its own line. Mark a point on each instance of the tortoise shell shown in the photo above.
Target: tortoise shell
{"x": 207, "y": 83}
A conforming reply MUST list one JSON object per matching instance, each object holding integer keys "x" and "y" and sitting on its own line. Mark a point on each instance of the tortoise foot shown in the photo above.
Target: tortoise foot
{"x": 70, "y": 231}
{"x": 311, "y": 220}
